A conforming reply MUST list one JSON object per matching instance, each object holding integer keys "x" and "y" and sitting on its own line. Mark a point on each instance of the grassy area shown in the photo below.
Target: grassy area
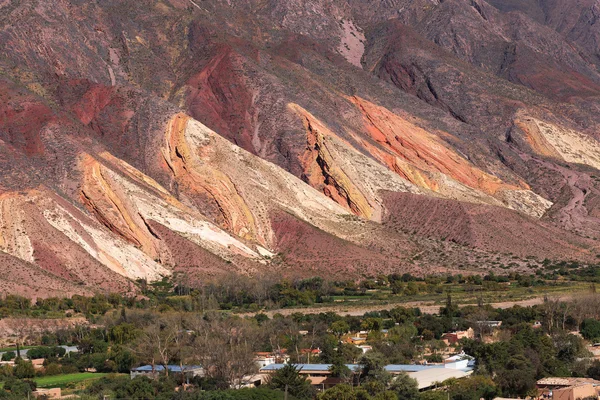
{"x": 461, "y": 294}
{"x": 63, "y": 381}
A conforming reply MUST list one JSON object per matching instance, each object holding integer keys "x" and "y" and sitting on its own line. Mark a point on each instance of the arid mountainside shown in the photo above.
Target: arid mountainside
{"x": 305, "y": 137}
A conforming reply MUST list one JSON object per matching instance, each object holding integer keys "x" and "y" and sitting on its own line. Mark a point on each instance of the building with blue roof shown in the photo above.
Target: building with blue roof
{"x": 426, "y": 376}
{"x": 154, "y": 372}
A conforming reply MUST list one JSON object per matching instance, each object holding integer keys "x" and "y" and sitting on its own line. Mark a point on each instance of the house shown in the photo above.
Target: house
{"x": 251, "y": 381}
{"x": 567, "y": 388}
{"x": 365, "y": 348}
{"x": 317, "y": 374}
{"x": 490, "y": 324}
{"x": 264, "y": 358}
{"x": 53, "y": 393}
{"x": 453, "y": 337}
{"x": 427, "y": 376}
{"x": 309, "y": 354}
{"x": 38, "y": 363}
{"x": 356, "y": 340}
{"x": 153, "y": 373}
{"x": 460, "y": 361}
{"x": 576, "y": 392}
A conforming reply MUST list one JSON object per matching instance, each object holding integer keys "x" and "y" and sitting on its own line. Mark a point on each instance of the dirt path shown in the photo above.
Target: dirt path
{"x": 426, "y": 307}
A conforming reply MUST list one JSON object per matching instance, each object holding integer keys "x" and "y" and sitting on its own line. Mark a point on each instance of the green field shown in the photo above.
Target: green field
{"x": 461, "y": 294}
{"x": 63, "y": 380}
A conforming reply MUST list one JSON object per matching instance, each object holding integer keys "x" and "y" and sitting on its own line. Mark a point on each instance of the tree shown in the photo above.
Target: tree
{"x": 405, "y": 387}
{"x": 473, "y": 388}
{"x": 590, "y": 329}
{"x": 339, "y": 328}
{"x": 140, "y": 388}
{"x": 339, "y": 370}
{"x": 373, "y": 364}
{"x": 517, "y": 377}
{"x": 19, "y": 388}
{"x": 155, "y": 343}
{"x": 433, "y": 395}
{"x": 225, "y": 349}
{"x": 22, "y": 328}
{"x": 289, "y": 379}
{"x": 24, "y": 369}
{"x": 123, "y": 358}
{"x": 338, "y": 392}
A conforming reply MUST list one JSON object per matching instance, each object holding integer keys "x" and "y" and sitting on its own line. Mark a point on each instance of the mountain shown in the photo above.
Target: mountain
{"x": 337, "y": 138}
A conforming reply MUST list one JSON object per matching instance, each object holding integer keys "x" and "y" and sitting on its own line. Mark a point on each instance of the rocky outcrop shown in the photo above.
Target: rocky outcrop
{"x": 482, "y": 226}
{"x": 144, "y": 139}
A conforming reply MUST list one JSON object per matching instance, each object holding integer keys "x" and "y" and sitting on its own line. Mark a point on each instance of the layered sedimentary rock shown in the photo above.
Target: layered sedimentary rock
{"x": 342, "y": 138}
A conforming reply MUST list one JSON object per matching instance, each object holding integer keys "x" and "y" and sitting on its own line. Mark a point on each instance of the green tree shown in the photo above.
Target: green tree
{"x": 339, "y": 328}
{"x": 140, "y": 388}
{"x": 24, "y": 369}
{"x": 339, "y": 370}
{"x": 19, "y": 389}
{"x": 387, "y": 395}
{"x": 590, "y": 329}
{"x": 433, "y": 395}
{"x": 473, "y": 388}
{"x": 373, "y": 364}
{"x": 405, "y": 387}
{"x": 517, "y": 378}
{"x": 338, "y": 392}
{"x": 123, "y": 359}
{"x": 289, "y": 380}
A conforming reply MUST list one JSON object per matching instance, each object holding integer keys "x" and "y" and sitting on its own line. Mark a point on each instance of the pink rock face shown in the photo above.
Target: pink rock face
{"x": 335, "y": 138}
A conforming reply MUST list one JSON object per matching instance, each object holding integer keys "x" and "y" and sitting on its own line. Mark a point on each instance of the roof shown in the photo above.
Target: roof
{"x": 161, "y": 368}
{"x": 410, "y": 367}
{"x": 554, "y": 381}
{"x": 308, "y": 367}
{"x": 428, "y": 377}
{"x": 313, "y": 351}
{"x": 356, "y": 367}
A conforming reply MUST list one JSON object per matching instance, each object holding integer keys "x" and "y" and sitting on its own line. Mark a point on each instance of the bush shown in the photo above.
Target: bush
{"x": 46, "y": 352}
{"x": 8, "y": 356}
{"x": 590, "y": 329}
{"x": 20, "y": 388}
{"x": 24, "y": 369}
{"x": 53, "y": 369}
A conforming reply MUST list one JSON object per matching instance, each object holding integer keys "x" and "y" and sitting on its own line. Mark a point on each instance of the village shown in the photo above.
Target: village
{"x": 549, "y": 350}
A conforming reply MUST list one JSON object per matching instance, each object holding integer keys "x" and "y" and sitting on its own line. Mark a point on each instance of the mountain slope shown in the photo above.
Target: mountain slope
{"x": 306, "y": 137}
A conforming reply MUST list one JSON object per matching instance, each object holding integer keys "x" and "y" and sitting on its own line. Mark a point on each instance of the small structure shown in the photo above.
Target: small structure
{"x": 451, "y": 338}
{"x": 264, "y": 358}
{"x": 490, "y": 324}
{"x": 567, "y": 388}
{"x": 189, "y": 371}
{"x": 53, "y": 393}
{"x": 38, "y": 363}
{"x": 580, "y": 391}
{"x": 356, "y": 340}
{"x": 427, "y": 376}
{"x": 251, "y": 381}
{"x": 365, "y": 348}
{"x": 308, "y": 354}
